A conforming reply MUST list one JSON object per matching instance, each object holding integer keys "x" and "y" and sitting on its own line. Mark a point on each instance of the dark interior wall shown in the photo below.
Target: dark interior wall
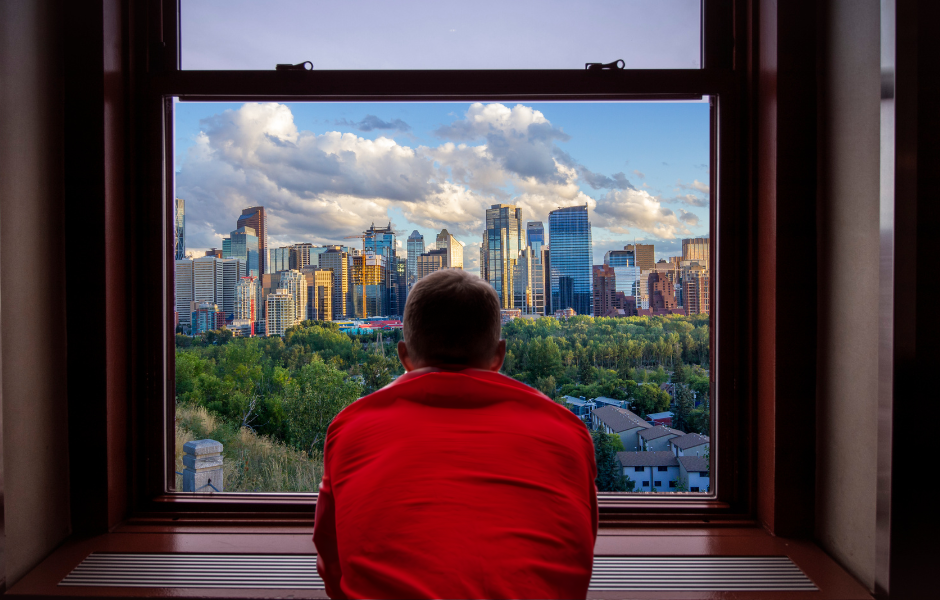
{"x": 32, "y": 287}
{"x": 847, "y": 303}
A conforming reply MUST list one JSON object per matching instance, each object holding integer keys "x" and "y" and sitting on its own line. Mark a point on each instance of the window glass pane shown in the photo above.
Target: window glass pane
{"x": 440, "y": 34}
{"x": 302, "y": 226}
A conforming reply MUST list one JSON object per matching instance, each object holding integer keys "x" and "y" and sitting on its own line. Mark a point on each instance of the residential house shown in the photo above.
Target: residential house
{"x": 693, "y": 473}
{"x": 605, "y": 401}
{"x": 660, "y": 418}
{"x": 579, "y": 406}
{"x": 657, "y": 438}
{"x": 651, "y": 471}
{"x": 690, "y": 444}
{"x": 621, "y": 421}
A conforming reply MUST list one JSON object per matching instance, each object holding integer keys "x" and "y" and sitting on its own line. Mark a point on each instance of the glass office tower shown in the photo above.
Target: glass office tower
{"x": 381, "y": 241}
{"x": 503, "y": 241}
{"x": 415, "y": 249}
{"x": 625, "y": 271}
{"x": 570, "y": 251}
{"x": 535, "y": 232}
{"x": 243, "y": 243}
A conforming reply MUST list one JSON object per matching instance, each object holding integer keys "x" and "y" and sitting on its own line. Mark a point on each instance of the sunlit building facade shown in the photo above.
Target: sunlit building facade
{"x": 503, "y": 240}
{"x": 319, "y": 293}
{"x": 415, "y": 249}
{"x": 243, "y": 244}
{"x": 336, "y": 259}
{"x": 248, "y": 300}
{"x": 569, "y": 231}
{"x": 368, "y": 291}
{"x": 453, "y": 247}
{"x": 280, "y": 313}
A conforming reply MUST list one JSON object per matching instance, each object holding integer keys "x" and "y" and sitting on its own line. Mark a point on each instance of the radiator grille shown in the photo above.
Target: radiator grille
{"x": 284, "y": 571}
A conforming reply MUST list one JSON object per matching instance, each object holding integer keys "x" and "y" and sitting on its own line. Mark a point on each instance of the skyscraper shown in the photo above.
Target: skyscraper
{"x": 696, "y": 249}
{"x": 255, "y": 218}
{"x": 503, "y": 240}
{"x": 248, "y": 302}
{"x": 535, "y": 233}
{"x": 368, "y": 290}
{"x": 415, "y": 248}
{"x": 233, "y": 269}
{"x": 337, "y": 260}
{"x": 319, "y": 293}
{"x": 243, "y": 244}
{"x": 300, "y": 256}
{"x": 623, "y": 262}
{"x": 381, "y": 241}
{"x": 296, "y": 285}
{"x": 695, "y": 289}
{"x": 208, "y": 280}
{"x": 645, "y": 255}
{"x": 280, "y": 259}
{"x": 454, "y": 248}
{"x": 280, "y": 313}
{"x": 179, "y": 229}
{"x": 184, "y": 291}
{"x": 529, "y": 287}
{"x": 604, "y": 283}
{"x": 569, "y": 232}
{"x": 431, "y": 261}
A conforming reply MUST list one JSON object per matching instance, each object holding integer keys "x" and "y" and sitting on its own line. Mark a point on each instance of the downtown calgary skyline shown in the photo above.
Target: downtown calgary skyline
{"x": 325, "y": 171}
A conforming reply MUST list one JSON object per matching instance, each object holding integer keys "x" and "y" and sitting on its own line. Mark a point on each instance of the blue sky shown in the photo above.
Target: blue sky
{"x": 324, "y": 170}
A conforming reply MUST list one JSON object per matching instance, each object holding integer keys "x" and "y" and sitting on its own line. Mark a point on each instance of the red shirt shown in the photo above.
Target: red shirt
{"x": 456, "y": 484}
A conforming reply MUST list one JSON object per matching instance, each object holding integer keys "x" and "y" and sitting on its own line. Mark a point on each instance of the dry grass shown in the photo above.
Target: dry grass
{"x": 251, "y": 463}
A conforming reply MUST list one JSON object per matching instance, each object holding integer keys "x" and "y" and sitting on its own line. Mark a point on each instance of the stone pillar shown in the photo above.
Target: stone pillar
{"x": 203, "y": 466}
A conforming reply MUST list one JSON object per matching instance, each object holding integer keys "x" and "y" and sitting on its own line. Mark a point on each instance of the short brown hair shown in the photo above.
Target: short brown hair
{"x": 452, "y": 317}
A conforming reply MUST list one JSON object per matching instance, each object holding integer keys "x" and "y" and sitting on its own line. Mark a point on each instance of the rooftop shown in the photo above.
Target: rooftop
{"x": 694, "y": 463}
{"x": 620, "y": 419}
{"x": 577, "y": 401}
{"x": 654, "y": 433}
{"x": 689, "y": 440}
{"x": 661, "y": 458}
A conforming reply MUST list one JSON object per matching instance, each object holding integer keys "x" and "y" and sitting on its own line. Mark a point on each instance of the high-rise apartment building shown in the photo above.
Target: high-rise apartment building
{"x": 319, "y": 293}
{"x": 179, "y": 229}
{"x": 662, "y": 297}
{"x": 415, "y": 248}
{"x": 695, "y": 289}
{"x": 547, "y": 280}
{"x": 696, "y": 249}
{"x": 503, "y": 241}
{"x": 205, "y": 316}
{"x": 337, "y": 260}
{"x": 243, "y": 245}
{"x": 604, "y": 289}
{"x": 569, "y": 231}
{"x": 280, "y": 313}
{"x": 296, "y": 285}
{"x": 645, "y": 255}
{"x": 300, "y": 256}
{"x": 214, "y": 252}
{"x": 431, "y": 261}
{"x": 184, "y": 290}
{"x": 248, "y": 300}
{"x": 454, "y": 248}
{"x": 255, "y": 218}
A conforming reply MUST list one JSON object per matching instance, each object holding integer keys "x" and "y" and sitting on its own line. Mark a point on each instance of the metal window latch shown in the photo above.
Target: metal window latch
{"x": 616, "y": 65}
{"x": 298, "y": 67}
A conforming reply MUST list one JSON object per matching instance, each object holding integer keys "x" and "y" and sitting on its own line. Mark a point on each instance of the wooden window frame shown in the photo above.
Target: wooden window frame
{"x": 136, "y": 357}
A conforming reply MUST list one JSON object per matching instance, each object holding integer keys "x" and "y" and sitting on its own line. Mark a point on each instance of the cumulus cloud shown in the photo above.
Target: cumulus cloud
{"x": 696, "y": 186}
{"x": 319, "y": 187}
{"x": 372, "y": 122}
{"x": 687, "y": 199}
{"x": 619, "y": 210}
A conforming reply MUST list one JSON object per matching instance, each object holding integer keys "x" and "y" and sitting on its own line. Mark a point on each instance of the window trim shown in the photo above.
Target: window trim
{"x": 722, "y": 76}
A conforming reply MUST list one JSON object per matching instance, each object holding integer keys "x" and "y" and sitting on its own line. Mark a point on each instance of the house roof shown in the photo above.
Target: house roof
{"x": 654, "y": 433}
{"x": 689, "y": 440}
{"x": 577, "y": 401}
{"x": 659, "y": 458}
{"x": 660, "y": 415}
{"x": 693, "y": 463}
{"x": 619, "y": 419}
{"x": 606, "y": 400}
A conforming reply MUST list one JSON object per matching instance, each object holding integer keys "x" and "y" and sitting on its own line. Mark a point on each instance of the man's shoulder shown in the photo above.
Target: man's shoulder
{"x": 469, "y": 388}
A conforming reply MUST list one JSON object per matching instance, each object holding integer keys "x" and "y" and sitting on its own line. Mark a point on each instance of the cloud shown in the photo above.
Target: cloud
{"x": 687, "y": 199}
{"x": 372, "y": 122}
{"x": 688, "y": 218}
{"x": 520, "y": 139}
{"x": 618, "y": 181}
{"x": 620, "y": 209}
{"x": 639, "y": 174}
{"x": 696, "y": 186}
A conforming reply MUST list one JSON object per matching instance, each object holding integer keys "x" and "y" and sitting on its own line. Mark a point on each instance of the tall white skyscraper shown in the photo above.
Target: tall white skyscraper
{"x": 280, "y": 313}
{"x": 233, "y": 269}
{"x": 208, "y": 280}
{"x": 248, "y": 299}
{"x": 184, "y": 290}
{"x": 296, "y": 285}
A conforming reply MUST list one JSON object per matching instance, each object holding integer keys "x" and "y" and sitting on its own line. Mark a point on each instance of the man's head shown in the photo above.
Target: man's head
{"x": 452, "y": 318}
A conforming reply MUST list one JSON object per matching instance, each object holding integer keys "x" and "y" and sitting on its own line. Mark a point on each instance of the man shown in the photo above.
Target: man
{"x": 455, "y": 481}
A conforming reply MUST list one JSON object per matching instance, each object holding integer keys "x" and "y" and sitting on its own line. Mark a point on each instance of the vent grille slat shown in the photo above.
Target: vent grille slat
{"x": 268, "y": 571}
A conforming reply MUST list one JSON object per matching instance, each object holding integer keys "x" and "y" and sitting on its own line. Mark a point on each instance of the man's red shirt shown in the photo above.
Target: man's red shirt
{"x": 456, "y": 484}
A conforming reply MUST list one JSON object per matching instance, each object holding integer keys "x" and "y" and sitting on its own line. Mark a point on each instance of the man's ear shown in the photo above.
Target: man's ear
{"x": 406, "y": 360}
{"x": 498, "y": 356}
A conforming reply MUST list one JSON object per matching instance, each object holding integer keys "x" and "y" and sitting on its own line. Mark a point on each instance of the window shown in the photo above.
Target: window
{"x": 694, "y": 488}
{"x": 712, "y": 82}
{"x": 662, "y": 468}
{"x": 658, "y": 483}
{"x": 638, "y": 469}
{"x": 672, "y": 483}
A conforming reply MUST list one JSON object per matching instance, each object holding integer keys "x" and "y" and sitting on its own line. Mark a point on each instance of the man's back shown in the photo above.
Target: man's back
{"x": 457, "y": 484}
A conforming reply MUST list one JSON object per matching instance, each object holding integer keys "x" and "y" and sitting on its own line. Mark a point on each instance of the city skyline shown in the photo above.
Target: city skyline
{"x": 323, "y": 173}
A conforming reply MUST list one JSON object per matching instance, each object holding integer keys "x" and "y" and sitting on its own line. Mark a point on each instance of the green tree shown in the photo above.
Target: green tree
{"x": 610, "y": 476}
{"x": 546, "y": 385}
{"x": 682, "y": 414}
{"x": 542, "y": 358}
{"x": 312, "y": 399}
